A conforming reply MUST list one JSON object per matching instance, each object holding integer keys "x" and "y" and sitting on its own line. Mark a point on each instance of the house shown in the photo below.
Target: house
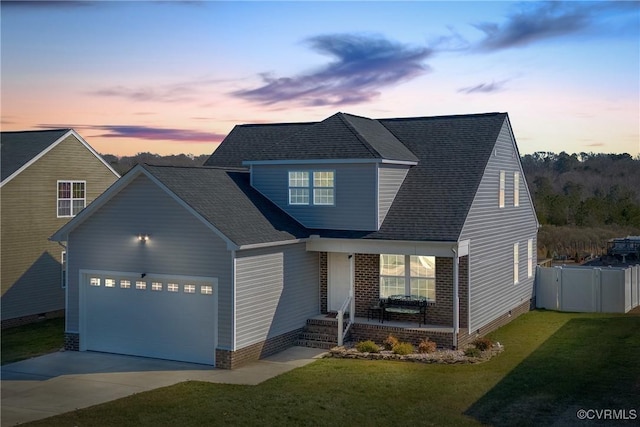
{"x": 285, "y": 223}
{"x": 47, "y": 178}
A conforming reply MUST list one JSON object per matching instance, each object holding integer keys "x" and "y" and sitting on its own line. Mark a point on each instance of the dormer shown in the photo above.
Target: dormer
{"x": 340, "y": 174}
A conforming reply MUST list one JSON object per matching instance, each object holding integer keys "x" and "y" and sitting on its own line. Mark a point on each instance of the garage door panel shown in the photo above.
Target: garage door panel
{"x": 152, "y": 323}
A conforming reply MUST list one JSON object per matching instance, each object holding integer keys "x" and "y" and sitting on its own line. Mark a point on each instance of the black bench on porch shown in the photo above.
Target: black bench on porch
{"x": 405, "y": 304}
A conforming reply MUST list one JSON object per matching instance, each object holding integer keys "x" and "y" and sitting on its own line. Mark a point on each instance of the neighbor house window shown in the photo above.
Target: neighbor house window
{"x": 530, "y": 258}
{"x": 515, "y": 263}
{"x": 516, "y": 189}
{"x": 501, "y": 193}
{"x": 312, "y": 187}
{"x": 71, "y": 197}
{"x": 408, "y": 275}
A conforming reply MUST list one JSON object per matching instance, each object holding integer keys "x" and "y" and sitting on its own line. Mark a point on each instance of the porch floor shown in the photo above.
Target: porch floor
{"x": 389, "y": 323}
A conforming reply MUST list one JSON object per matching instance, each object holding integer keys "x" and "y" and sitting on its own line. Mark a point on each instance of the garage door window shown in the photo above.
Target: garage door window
{"x": 206, "y": 290}
{"x": 109, "y": 283}
{"x": 173, "y": 287}
{"x": 125, "y": 284}
{"x": 95, "y": 281}
{"x": 156, "y": 286}
{"x": 141, "y": 285}
{"x": 189, "y": 289}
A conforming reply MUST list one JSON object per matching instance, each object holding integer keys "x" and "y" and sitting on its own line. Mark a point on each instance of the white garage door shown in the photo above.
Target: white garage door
{"x": 166, "y": 317}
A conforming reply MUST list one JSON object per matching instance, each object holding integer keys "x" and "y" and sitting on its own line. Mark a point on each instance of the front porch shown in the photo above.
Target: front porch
{"x": 323, "y": 328}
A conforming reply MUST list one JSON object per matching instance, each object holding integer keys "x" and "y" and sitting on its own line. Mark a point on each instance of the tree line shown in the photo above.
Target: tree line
{"x": 584, "y": 190}
{"x": 124, "y": 163}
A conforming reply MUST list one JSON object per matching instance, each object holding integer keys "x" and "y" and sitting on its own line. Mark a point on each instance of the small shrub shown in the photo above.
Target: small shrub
{"x": 403, "y": 348}
{"x": 390, "y": 342}
{"x": 472, "y": 352}
{"x": 426, "y": 346}
{"x": 367, "y": 347}
{"x": 482, "y": 343}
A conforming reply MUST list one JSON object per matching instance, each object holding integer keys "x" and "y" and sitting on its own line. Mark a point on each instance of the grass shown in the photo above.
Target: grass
{"x": 553, "y": 364}
{"x": 23, "y": 342}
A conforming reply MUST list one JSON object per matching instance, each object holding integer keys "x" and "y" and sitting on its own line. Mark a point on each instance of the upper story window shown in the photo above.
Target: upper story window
{"x": 501, "y": 191}
{"x": 516, "y": 189}
{"x": 319, "y": 190}
{"x": 71, "y": 197}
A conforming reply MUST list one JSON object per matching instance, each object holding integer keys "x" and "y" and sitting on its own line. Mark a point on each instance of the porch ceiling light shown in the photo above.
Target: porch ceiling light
{"x": 142, "y": 238}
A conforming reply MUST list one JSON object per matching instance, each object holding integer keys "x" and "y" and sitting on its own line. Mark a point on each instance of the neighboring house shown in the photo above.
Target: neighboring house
{"x": 47, "y": 178}
{"x": 226, "y": 263}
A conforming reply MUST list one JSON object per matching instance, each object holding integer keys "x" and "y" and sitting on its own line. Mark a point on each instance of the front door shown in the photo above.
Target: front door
{"x": 339, "y": 279}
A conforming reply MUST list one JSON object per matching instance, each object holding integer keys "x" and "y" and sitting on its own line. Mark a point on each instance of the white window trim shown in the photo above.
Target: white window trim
{"x": 516, "y": 189}
{"x": 502, "y": 185}
{"x": 516, "y": 263}
{"x": 84, "y": 199}
{"x": 408, "y": 277}
{"x": 530, "y": 258}
{"x": 311, "y": 187}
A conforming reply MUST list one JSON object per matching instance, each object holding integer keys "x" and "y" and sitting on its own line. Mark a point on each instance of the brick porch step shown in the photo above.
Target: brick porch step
{"x": 319, "y": 333}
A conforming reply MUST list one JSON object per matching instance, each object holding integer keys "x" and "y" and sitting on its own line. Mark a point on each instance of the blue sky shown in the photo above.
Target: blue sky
{"x": 175, "y": 77}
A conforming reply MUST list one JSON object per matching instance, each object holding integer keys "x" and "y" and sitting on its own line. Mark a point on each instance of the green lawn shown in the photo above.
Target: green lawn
{"x": 23, "y": 342}
{"x": 553, "y": 365}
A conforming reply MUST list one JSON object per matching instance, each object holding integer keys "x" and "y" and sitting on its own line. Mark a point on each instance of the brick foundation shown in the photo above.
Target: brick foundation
{"x": 226, "y": 359}
{"x": 72, "y": 341}
{"x": 33, "y": 318}
{"x": 465, "y": 338}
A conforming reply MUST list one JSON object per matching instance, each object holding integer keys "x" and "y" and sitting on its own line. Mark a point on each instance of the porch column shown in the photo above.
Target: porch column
{"x": 352, "y": 287}
{"x": 456, "y": 299}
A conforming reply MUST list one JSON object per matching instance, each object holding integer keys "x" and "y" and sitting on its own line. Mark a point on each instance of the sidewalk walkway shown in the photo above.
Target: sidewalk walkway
{"x": 64, "y": 381}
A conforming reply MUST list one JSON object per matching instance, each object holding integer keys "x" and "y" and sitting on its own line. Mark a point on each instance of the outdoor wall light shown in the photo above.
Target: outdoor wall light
{"x": 142, "y": 238}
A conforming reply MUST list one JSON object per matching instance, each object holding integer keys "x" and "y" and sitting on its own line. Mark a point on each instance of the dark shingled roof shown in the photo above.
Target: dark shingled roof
{"x": 225, "y": 198}
{"x": 18, "y": 148}
{"x": 341, "y": 136}
{"x": 435, "y": 197}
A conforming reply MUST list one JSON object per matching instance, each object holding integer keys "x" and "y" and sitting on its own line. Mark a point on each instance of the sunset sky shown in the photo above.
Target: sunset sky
{"x": 175, "y": 77}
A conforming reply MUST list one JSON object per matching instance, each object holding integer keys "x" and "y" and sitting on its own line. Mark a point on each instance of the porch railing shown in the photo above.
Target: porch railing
{"x": 342, "y": 331}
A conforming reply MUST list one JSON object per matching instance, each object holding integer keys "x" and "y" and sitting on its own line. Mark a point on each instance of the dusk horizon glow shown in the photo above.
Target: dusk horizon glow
{"x": 175, "y": 77}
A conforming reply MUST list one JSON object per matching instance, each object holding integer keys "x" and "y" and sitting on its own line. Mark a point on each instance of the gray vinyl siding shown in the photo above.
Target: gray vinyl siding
{"x": 179, "y": 244}
{"x": 355, "y": 195}
{"x": 390, "y": 178}
{"x": 492, "y": 232}
{"x": 30, "y": 264}
{"x": 277, "y": 290}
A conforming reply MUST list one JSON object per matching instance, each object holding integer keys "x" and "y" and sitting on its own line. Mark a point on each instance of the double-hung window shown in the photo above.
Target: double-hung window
{"x": 299, "y": 188}
{"x": 501, "y": 189}
{"x": 408, "y": 275}
{"x": 72, "y": 197}
{"x": 312, "y": 188}
{"x": 516, "y": 189}
{"x": 516, "y": 263}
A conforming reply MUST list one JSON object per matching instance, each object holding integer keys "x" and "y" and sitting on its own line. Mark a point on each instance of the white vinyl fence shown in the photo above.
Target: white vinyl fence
{"x": 588, "y": 289}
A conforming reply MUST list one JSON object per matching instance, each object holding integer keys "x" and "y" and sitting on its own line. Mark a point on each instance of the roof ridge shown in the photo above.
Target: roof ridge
{"x": 225, "y": 168}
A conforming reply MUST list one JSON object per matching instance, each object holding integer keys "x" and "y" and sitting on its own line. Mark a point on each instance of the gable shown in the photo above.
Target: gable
{"x": 21, "y": 150}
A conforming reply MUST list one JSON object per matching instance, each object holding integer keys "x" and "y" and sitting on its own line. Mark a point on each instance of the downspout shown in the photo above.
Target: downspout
{"x": 66, "y": 282}
{"x": 456, "y": 299}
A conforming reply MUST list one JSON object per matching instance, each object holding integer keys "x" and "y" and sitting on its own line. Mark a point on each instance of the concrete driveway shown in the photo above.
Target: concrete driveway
{"x": 64, "y": 381}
